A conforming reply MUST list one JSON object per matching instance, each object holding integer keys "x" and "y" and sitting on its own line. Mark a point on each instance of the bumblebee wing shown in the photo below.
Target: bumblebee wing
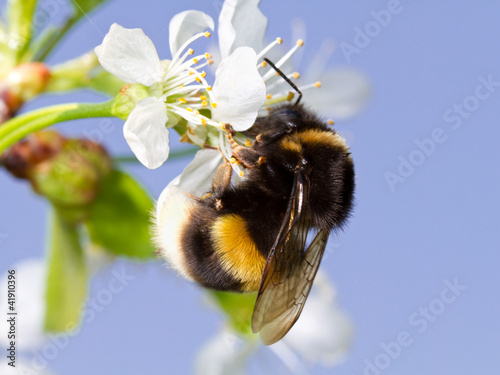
{"x": 289, "y": 271}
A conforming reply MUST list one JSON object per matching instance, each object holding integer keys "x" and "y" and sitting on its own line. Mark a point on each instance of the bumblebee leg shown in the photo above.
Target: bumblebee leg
{"x": 222, "y": 178}
{"x": 248, "y": 157}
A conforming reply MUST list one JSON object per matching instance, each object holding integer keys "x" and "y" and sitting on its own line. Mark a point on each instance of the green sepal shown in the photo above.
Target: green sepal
{"x": 119, "y": 217}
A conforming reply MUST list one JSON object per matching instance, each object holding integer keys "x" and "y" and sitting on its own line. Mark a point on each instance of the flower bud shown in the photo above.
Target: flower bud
{"x": 68, "y": 172}
{"x": 27, "y": 80}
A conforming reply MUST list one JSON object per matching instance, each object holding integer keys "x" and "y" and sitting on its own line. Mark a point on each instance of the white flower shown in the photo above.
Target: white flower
{"x": 30, "y": 276}
{"x": 342, "y": 93}
{"x": 30, "y": 304}
{"x": 178, "y": 88}
{"x": 322, "y": 334}
{"x": 225, "y": 354}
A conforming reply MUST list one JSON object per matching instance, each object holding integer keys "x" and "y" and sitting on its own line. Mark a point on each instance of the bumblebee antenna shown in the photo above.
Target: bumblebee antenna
{"x": 285, "y": 78}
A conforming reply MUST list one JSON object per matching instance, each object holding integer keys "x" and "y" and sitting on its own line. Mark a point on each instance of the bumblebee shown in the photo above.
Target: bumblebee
{"x": 253, "y": 235}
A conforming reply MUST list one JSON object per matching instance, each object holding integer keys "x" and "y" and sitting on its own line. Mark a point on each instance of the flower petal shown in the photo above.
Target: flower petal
{"x": 197, "y": 177}
{"x": 241, "y": 23}
{"x": 30, "y": 302}
{"x": 225, "y": 354}
{"x": 343, "y": 93}
{"x": 186, "y": 24}
{"x": 130, "y": 55}
{"x": 239, "y": 89}
{"x": 146, "y": 133}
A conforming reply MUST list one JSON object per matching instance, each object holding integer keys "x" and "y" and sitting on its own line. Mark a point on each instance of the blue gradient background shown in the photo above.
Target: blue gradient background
{"x": 401, "y": 246}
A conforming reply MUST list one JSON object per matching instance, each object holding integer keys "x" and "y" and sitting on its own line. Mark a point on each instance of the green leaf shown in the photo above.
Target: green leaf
{"x": 20, "y": 15}
{"x": 67, "y": 277}
{"x": 120, "y": 216}
{"x": 238, "y": 308}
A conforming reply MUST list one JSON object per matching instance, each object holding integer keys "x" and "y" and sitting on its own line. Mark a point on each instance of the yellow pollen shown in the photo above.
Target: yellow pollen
{"x": 264, "y": 64}
{"x": 209, "y": 88}
{"x": 204, "y": 103}
{"x": 242, "y": 174}
{"x": 203, "y": 97}
{"x": 268, "y": 108}
{"x": 248, "y": 143}
{"x": 196, "y": 61}
{"x": 300, "y": 42}
{"x": 182, "y": 100}
{"x": 207, "y": 55}
{"x": 181, "y": 85}
{"x": 203, "y": 74}
{"x": 207, "y": 34}
{"x": 198, "y": 79}
{"x": 277, "y": 74}
{"x": 279, "y": 40}
{"x": 296, "y": 75}
{"x": 189, "y": 109}
{"x": 330, "y": 122}
{"x": 269, "y": 96}
{"x": 232, "y": 160}
{"x": 191, "y": 73}
{"x": 196, "y": 112}
{"x": 190, "y": 51}
{"x": 214, "y": 105}
{"x": 317, "y": 84}
{"x": 203, "y": 121}
{"x": 210, "y": 62}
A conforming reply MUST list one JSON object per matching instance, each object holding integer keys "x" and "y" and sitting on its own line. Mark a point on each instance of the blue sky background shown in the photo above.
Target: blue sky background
{"x": 405, "y": 243}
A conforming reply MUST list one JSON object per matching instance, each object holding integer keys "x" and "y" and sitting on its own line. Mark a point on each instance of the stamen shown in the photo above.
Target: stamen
{"x": 182, "y": 100}
{"x": 175, "y": 58}
{"x": 204, "y": 103}
{"x": 271, "y": 72}
{"x": 265, "y": 50}
{"x": 269, "y": 96}
{"x": 310, "y": 86}
{"x": 296, "y": 75}
{"x": 330, "y": 122}
{"x": 214, "y": 105}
